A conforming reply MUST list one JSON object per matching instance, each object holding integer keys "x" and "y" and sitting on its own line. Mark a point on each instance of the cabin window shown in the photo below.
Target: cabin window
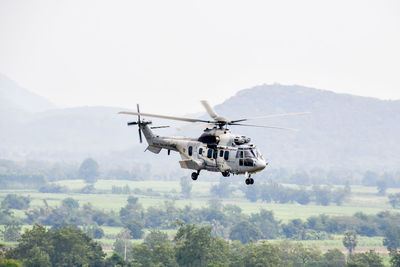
{"x": 221, "y": 153}
{"x": 209, "y": 153}
{"x": 200, "y": 150}
{"x": 240, "y": 162}
{"x": 215, "y": 154}
{"x": 226, "y": 155}
{"x": 190, "y": 150}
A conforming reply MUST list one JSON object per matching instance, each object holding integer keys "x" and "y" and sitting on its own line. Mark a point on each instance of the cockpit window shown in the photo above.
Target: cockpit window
{"x": 249, "y": 154}
{"x": 248, "y": 162}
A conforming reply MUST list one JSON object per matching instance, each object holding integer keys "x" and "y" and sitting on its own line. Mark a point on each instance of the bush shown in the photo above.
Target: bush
{"x": 135, "y": 228}
{"x": 70, "y": 203}
{"x": 370, "y": 258}
{"x": 13, "y": 201}
{"x": 251, "y": 193}
{"x": 392, "y": 238}
{"x": 186, "y": 187}
{"x": 222, "y": 190}
{"x": 11, "y": 232}
{"x": 10, "y": 263}
{"x": 394, "y": 200}
{"x": 93, "y": 231}
{"x": 63, "y": 247}
{"x": 89, "y": 189}
{"x": 53, "y": 188}
{"x": 322, "y": 195}
{"x": 89, "y": 170}
{"x": 244, "y": 232}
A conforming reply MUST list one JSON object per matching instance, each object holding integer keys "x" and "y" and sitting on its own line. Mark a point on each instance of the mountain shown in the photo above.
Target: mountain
{"x": 14, "y": 97}
{"x": 343, "y": 131}
{"x": 33, "y": 128}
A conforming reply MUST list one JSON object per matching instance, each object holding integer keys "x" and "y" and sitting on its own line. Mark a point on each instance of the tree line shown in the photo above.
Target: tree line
{"x": 192, "y": 245}
{"x": 227, "y": 221}
{"x": 275, "y": 192}
{"x": 90, "y": 170}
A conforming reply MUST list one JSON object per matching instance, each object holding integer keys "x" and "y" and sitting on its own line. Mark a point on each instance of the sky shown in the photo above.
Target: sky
{"x": 169, "y": 55}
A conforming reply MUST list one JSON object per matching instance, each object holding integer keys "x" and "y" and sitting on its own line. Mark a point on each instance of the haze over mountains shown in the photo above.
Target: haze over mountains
{"x": 343, "y": 131}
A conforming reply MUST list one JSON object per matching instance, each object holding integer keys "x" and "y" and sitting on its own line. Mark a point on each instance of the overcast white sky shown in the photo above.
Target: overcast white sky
{"x": 168, "y": 55}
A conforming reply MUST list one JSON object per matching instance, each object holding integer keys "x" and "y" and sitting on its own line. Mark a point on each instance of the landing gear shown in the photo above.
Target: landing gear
{"x": 249, "y": 180}
{"x": 226, "y": 174}
{"x": 195, "y": 175}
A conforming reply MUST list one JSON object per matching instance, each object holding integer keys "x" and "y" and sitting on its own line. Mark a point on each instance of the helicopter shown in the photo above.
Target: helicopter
{"x": 216, "y": 150}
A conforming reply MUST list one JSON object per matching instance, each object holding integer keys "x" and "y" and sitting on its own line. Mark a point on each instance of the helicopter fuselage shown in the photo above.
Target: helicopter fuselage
{"x": 216, "y": 150}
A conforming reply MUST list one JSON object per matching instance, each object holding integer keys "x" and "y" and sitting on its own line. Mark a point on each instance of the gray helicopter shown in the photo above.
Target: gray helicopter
{"x": 216, "y": 150}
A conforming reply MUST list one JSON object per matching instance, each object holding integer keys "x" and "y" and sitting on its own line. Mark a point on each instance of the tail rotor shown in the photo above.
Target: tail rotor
{"x": 138, "y": 123}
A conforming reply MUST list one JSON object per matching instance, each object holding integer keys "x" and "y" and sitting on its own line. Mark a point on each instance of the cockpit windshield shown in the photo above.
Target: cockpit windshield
{"x": 256, "y": 153}
{"x": 249, "y": 153}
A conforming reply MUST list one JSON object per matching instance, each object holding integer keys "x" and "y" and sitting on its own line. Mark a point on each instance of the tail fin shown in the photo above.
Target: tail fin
{"x": 148, "y": 133}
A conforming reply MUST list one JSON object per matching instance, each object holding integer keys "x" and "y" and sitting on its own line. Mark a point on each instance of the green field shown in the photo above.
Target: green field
{"x": 363, "y": 199}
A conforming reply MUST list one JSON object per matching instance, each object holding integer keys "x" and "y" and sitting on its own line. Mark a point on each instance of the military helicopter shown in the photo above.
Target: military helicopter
{"x": 216, "y": 150}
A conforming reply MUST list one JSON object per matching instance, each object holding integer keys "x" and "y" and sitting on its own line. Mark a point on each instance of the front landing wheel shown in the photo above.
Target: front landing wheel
{"x": 194, "y": 176}
{"x": 249, "y": 181}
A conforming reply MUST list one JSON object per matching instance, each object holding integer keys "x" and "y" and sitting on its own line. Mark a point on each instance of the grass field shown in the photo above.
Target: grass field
{"x": 363, "y": 199}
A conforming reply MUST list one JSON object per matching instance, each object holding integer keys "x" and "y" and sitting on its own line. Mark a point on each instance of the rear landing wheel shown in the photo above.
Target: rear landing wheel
{"x": 251, "y": 180}
{"x": 194, "y": 176}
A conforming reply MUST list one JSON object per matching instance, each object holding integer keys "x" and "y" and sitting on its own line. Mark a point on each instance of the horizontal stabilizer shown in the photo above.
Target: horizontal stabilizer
{"x": 154, "y": 149}
{"x": 190, "y": 164}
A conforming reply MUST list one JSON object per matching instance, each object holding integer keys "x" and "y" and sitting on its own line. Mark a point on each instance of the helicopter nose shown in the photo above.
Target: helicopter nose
{"x": 261, "y": 164}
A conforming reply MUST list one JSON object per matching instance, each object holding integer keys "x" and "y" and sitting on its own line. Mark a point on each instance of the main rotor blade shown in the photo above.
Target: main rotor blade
{"x": 159, "y": 127}
{"x": 137, "y": 106}
{"x": 200, "y": 126}
{"x": 209, "y": 109}
{"x": 273, "y": 116}
{"x": 162, "y": 116}
{"x": 264, "y": 126}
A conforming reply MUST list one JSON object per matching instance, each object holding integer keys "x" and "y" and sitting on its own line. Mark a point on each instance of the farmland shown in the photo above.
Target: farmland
{"x": 155, "y": 193}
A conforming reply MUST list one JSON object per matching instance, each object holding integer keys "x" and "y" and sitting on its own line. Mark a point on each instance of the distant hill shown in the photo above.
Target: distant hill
{"x": 14, "y": 97}
{"x": 343, "y": 131}
{"x": 33, "y": 128}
